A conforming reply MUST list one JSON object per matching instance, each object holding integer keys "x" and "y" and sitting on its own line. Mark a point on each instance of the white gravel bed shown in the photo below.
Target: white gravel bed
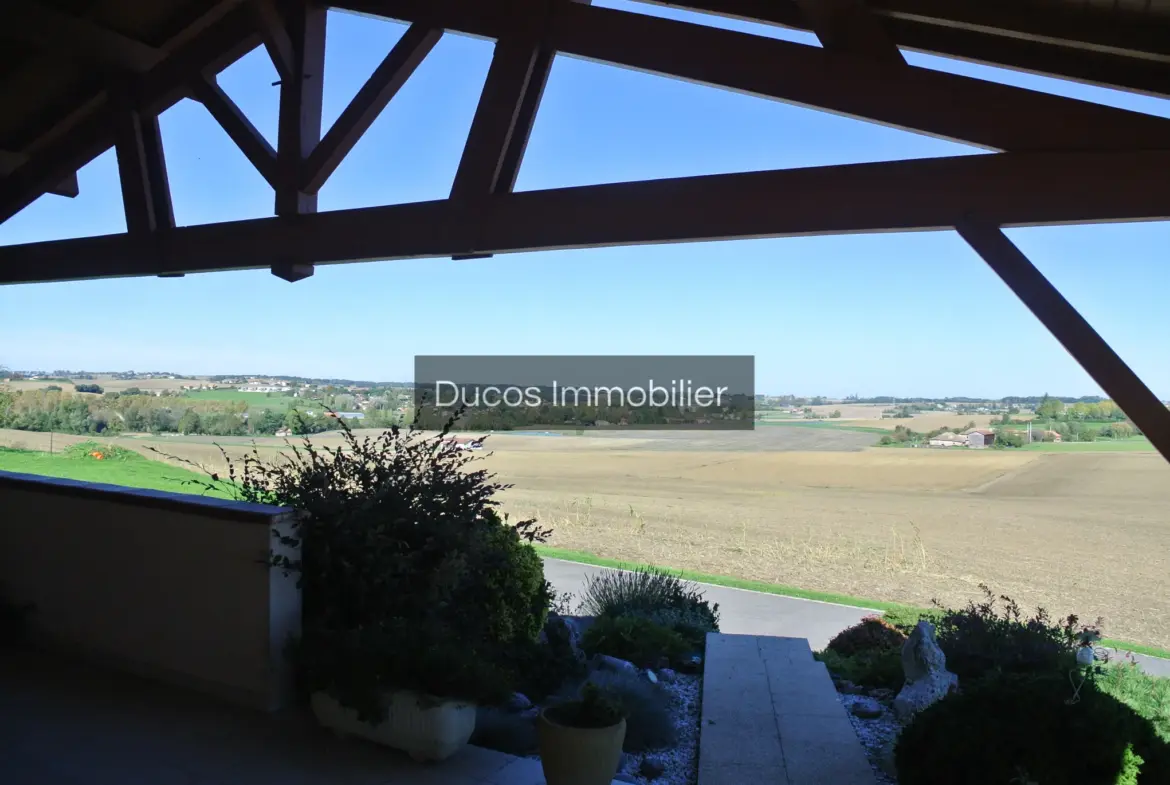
{"x": 877, "y": 735}
{"x": 680, "y": 764}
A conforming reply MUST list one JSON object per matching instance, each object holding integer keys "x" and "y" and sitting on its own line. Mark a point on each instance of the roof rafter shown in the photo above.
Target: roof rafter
{"x": 1102, "y": 63}
{"x": 960, "y": 108}
{"x": 225, "y": 39}
{"x": 45, "y": 26}
{"x": 361, "y": 112}
{"x": 237, "y": 126}
{"x": 1066, "y": 324}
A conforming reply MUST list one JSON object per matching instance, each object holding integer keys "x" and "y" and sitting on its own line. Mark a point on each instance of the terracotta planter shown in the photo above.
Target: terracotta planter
{"x": 430, "y": 730}
{"x": 579, "y": 756}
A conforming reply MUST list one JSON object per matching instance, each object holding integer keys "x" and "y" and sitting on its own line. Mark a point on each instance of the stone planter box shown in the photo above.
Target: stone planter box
{"x": 427, "y": 729}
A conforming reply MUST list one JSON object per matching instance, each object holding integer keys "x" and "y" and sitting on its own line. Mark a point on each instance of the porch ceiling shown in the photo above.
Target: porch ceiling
{"x": 80, "y": 76}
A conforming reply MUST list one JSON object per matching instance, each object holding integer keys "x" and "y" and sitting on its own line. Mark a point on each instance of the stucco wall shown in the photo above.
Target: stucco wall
{"x": 167, "y": 585}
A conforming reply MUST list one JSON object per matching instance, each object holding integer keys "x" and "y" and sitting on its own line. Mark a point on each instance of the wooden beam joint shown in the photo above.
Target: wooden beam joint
{"x": 299, "y": 124}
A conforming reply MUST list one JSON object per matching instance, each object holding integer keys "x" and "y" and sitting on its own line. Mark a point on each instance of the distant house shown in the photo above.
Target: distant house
{"x": 346, "y": 415}
{"x": 1052, "y": 436}
{"x": 948, "y": 439}
{"x": 979, "y": 438}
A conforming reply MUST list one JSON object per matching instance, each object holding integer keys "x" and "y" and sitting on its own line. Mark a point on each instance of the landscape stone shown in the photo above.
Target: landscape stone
{"x": 927, "y": 677}
{"x": 504, "y": 731}
{"x": 563, "y": 631}
{"x": 849, "y": 688}
{"x": 518, "y": 702}
{"x": 652, "y": 677}
{"x": 652, "y": 768}
{"x": 606, "y": 662}
{"x": 867, "y": 708}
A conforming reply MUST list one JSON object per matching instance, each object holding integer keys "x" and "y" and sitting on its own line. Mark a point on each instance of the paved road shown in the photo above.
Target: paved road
{"x": 755, "y": 613}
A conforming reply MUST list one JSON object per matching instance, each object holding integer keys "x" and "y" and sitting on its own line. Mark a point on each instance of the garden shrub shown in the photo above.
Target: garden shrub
{"x": 692, "y": 623}
{"x": 871, "y": 633}
{"x": 646, "y": 706}
{"x": 1029, "y": 728}
{"x": 647, "y": 590}
{"x": 980, "y": 639}
{"x": 868, "y": 667}
{"x": 410, "y": 578}
{"x": 634, "y": 638}
{"x": 540, "y": 669}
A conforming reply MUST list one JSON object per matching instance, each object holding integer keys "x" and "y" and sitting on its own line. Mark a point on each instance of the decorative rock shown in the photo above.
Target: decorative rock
{"x": 518, "y": 702}
{"x": 667, "y": 675}
{"x": 497, "y": 729}
{"x": 651, "y": 768}
{"x": 562, "y": 631}
{"x": 606, "y": 662}
{"x": 692, "y": 664}
{"x": 881, "y": 693}
{"x": 626, "y": 778}
{"x": 867, "y": 708}
{"x": 652, "y": 677}
{"x": 927, "y": 677}
{"x": 849, "y": 688}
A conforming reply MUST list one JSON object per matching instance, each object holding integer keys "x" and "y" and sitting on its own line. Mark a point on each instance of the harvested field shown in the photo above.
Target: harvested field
{"x": 1076, "y": 532}
{"x": 931, "y": 420}
{"x": 107, "y": 383}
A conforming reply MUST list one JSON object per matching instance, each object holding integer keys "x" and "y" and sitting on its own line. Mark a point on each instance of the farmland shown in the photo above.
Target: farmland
{"x": 818, "y": 507}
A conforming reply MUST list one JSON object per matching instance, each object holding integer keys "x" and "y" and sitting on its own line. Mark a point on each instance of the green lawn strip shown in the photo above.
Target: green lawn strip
{"x": 134, "y": 472}
{"x": 895, "y": 613}
{"x": 1147, "y": 695}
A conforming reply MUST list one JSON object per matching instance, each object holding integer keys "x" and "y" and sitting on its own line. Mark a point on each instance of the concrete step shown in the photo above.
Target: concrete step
{"x": 771, "y": 715}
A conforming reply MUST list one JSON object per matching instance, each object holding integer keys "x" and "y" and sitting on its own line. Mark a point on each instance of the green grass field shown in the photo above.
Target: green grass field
{"x": 255, "y": 400}
{"x": 1135, "y": 444}
{"x": 120, "y": 467}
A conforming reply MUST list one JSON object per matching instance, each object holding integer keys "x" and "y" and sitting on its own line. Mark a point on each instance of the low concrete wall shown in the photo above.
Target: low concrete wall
{"x": 167, "y": 585}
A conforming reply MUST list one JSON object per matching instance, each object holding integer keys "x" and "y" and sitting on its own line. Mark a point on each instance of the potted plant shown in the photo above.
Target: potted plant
{"x": 581, "y": 740}
{"x": 416, "y": 691}
{"x": 416, "y": 592}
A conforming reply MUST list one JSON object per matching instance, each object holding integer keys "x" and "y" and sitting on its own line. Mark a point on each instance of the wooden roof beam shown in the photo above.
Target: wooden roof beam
{"x": 9, "y": 161}
{"x": 1009, "y": 189}
{"x": 959, "y": 108}
{"x": 1099, "y": 64}
{"x": 848, "y": 27}
{"x": 220, "y": 43}
{"x": 1067, "y": 325}
{"x": 275, "y": 36}
{"x": 237, "y": 126}
{"x": 387, "y": 79}
{"x": 44, "y": 26}
{"x": 299, "y": 123}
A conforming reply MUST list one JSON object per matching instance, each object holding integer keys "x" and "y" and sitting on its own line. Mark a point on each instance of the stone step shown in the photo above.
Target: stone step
{"x": 771, "y": 715}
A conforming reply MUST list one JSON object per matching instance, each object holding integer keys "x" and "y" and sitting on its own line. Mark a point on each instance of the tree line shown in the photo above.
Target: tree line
{"x": 113, "y": 413}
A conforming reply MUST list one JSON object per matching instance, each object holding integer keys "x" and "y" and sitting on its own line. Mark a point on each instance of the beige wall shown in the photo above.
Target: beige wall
{"x": 168, "y": 585}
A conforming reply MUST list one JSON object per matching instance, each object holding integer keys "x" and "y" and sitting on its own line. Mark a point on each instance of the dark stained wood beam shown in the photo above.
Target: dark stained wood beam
{"x": 133, "y": 176}
{"x": 275, "y": 36}
{"x": 929, "y": 194}
{"x": 73, "y": 36}
{"x": 10, "y": 161}
{"x": 299, "y": 125}
{"x": 505, "y": 115}
{"x": 977, "y": 112}
{"x": 848, "y": 27}
{"x": 1075, "y": 334}
{"x": 223, "y": 41}
{"x": 1089, "y": 52}
{"x": 162, "y": 208}
{"x": 387, "y": 79}
{"x": 237, "y": 126}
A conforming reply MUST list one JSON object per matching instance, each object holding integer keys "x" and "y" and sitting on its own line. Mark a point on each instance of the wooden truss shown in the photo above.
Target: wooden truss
{"x": 1052, "y": 160}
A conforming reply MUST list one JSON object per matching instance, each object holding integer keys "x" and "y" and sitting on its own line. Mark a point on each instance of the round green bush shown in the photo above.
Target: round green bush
{"x": 1019, "y": 729}
{"x": 634, "y": 638}
{"x": 512, "y": 594}
{"x": 872, "y": 633}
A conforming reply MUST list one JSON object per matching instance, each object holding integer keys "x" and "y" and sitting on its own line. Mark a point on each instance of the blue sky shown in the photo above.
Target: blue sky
{"x": 893, "y": 314}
